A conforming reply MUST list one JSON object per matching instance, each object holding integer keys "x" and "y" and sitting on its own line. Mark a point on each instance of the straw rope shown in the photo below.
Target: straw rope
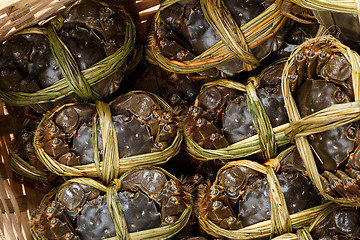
{"x": 237, "y": 42}
{"x": 281, "y": 222}
{"x": 326, "y": 119}
{"x": 74, "y": 80}
{"x": 328, "y": 6}
{"x": 267, "y": 139}
{"x": 117, "y": 214}
{"x": 16, "y": 15}
{"x": 111, "y": 165}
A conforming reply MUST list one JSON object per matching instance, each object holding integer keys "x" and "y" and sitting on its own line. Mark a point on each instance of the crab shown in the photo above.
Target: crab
{"x": 343, "y": 223}
{"x": 296, "y": 35}
{"x": 184, "y": 33}
{"x": 148, "y": 198}
{"x": 239, "y": 197}
{"x": 36, "y": 175}
{"x": 342, "y": 25}
{"x": 221, "y": 117}
{"x": 141, "y": 126}
{"x": 319, "y": 78}
{"x": 91, "y": 31}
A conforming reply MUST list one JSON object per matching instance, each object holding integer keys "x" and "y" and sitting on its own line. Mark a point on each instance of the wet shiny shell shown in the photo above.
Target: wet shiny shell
{"x": 141, "y": 126}
{"x": 333, "y": 146}
{"x": 221, "y": 116}
{"x": 298, "y": 191}
{"x": 147, "y": 197}
{"x": 95, "y": 221}
{"x": 90, "y": 31}
{"x": 237, "y": 123}
{"x": 185, "y": 32}
{"x": 343, "y": 224}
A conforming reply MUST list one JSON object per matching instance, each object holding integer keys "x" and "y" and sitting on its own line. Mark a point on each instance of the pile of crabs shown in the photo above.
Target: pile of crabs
{"x": 231, "y": 120}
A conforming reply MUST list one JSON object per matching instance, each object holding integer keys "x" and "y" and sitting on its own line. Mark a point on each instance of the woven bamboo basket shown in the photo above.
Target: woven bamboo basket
{"x": 17, "y": 200}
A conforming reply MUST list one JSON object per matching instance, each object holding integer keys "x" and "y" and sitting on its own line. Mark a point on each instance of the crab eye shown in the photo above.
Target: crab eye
{"x": 327, "y": 188}
{"x": 167, "y": 128}
{"x": 54, "y": 221}
{"x": 214, "y": 136}
{"x": 172, "y": 189}
{"x": 173, "y": 199}
{"x": 166, "y": 116}
{"x": 200, "y": 122}
{"x": 214, "y": 192}
{"x": 299, "y": 57}
{"x": 231, "y": 219}
{"x": 216, "y": 204}
{"x": 292, "y": 77}
{"x": 156, "y": 115}
{"x": 157, "y": 197}
{"x": 169, "y": 219}
{"x": 348, "y": 182}
{"x": 196, "y": 110}
{"x": 29, "y": 145}
{"x": 323, "y": 54}
{"x": 310, "y": 53}
{"x": 197, "y": 177}
{"x": 69, "y": 235}
{"x": 72, "y": 213}
{"x": 50, "y": 210}
{"x": 54, "y": 204}
{"x": 175, "y": 98}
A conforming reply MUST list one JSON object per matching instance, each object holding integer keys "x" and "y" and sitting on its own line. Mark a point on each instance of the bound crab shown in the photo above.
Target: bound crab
{"x": 221, "y": 116}
{"x": 144, "y": 198}
{"x": 245, "y": 194}
{"x": 23, "y": 161}
{"x": 95, "y": 41}
{"x": 319, "y": 75}
{"x": 198, "y": 36}
{"x": 343, "y": 223}
{"x": 118, "y": 135}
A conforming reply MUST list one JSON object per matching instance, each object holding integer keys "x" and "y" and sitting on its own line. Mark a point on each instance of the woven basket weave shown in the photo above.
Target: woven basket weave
{"x": 16, "y": 200}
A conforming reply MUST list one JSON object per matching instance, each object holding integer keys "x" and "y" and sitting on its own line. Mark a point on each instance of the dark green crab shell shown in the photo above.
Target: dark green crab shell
{"x": 343, "y": 223}
{"x": 184, "y": 33}
{"x": 221, "y": 115}
{"x": 28, "y": 169}
{"x": 95, "y": 221}
{"x": 140, "y": 123}
{"x": 90, "y": 30}
{"x": 344, "y": 24}
{"x": 321, "y": 77}
{"x": 148, "y": 199}
{"x": 240, "y": 196}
